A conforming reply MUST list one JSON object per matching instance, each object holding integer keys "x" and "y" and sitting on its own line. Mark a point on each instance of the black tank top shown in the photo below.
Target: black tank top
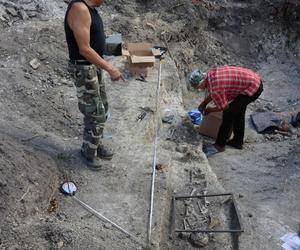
{"x": 97, "y": 36}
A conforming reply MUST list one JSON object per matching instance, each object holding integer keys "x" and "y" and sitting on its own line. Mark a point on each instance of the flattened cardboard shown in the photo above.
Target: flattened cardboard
{"x": 142, "y": 59}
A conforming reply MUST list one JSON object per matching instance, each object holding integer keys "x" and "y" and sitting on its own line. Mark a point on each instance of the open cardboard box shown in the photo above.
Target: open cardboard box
{"x": 140, "y": 57}
{"x": 211, "y": 124}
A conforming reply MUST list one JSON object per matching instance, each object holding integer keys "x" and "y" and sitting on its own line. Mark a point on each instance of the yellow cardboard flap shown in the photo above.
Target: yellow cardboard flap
{"x": 156, "y": 52}
{"x": 142, "y": 59}
{"x": 139, "y": 47}
{"x": 125, "y": 52}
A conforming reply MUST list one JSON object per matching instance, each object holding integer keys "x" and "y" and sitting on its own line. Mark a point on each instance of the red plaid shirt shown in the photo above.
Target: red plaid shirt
{"x": 227, "y": 82}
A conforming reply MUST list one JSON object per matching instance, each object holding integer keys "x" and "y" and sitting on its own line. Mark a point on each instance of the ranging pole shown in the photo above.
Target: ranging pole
{"x": 154, "y": 156}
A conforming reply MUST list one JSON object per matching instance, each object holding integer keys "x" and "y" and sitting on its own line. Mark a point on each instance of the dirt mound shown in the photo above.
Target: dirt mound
{"x": 214, "y": 32}
{"x": 28, "y": 181}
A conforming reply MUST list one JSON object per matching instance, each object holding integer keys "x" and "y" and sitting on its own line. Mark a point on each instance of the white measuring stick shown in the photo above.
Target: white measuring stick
{"x": 154, "y": 159}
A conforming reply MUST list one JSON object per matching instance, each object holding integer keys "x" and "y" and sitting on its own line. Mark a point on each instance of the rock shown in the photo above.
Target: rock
{"x": 64, "y": 81}
{"x": 277, "y": 110}
{"x": 60, "y": 72}
{"x": 182, "y": 148}
{"x": 27, "y": 76}
{"x": 168, "y": 116}
{"x": 6, "y": 17}
{"x": 60, "y": 244}
{"x": 199, "y": 239}
{"x": 42, "y": 56}
{"x": 107, "y": 226}
{"x": 12, "y": 11}
{"x": 54, "y": 81}
{"x": 2, "y": 11}
{"x": 3, "y": 183}
{"x": 70, "y": 84}
{"x": 251, "y": 136}
{"x": 8, "y": 3}
{"x": 34, "y": 63}
{"x": 23, "y": 15}
{"x": 269, "y": 106}
{"x": 13, "y": 247}
{"x": 161, "y": 167}
{"x": 32, "y": 14}
{"x": 294, "y": 137}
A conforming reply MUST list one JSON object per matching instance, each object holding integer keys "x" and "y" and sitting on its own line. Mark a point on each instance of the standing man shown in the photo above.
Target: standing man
{"x": 86, "y": 43}
{"x": 231, "y": 89}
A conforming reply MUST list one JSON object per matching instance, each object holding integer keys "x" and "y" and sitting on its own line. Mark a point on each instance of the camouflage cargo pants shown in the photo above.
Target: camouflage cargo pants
{"x": 92, "y": 103}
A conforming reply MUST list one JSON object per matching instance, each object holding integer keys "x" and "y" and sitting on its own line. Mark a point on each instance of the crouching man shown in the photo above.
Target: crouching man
{"x": 231, "y": 89}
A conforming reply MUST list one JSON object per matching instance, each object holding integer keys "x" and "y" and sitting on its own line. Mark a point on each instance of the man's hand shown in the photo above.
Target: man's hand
{"x": 115, "y": 74}
{"x": 203, "y": 104}
{"x": 202, "y": 107}
{"x": 209, "y": 110}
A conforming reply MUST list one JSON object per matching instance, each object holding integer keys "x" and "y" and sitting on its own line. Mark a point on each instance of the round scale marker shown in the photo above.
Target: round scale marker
{"x": 68, "y": 188}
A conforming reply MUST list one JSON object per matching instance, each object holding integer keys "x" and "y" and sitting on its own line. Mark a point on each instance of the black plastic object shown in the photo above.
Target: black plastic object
{"x": 68, "y": 188}
{"x": 113, "y": 45}
{"x": 296, "y": 120}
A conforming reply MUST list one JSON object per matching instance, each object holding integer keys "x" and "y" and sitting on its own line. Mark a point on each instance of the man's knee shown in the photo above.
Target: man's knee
{"x": 93, "y": 134}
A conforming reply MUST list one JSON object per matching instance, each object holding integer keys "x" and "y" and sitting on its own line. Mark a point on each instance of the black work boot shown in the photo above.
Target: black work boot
{"x": 234, "y": 144}
{"x": 104, "y": 152}
{"x": 91, "y": 160}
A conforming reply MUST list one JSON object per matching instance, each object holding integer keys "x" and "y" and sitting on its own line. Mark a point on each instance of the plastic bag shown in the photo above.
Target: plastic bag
{"x": 196, "y": 116}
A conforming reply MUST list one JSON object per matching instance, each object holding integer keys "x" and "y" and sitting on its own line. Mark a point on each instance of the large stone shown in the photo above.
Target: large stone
{"x": 12, "y": 11}
{"x": 182, "y": 148}
{"x": 168, "y": 116}
{"x": 23, "y": 14}
{"x": 2, "y": 11}
{"x": 34, "y": 63}
{"x": 7, "y": 3}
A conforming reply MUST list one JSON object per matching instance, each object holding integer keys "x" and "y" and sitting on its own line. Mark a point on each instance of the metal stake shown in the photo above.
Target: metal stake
{"x": 102, "y": 217}
{"x": 154, "y": 158}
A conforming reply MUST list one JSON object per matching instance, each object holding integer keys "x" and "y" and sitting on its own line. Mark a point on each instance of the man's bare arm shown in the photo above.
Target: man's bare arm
{"x": 79, "y": 20}
{"x": 206, "y": 110}
{"x": 203, "y": 104}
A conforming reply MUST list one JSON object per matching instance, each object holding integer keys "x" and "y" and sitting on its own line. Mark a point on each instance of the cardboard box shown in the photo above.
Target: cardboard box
{"x": 140, "y": 57}
{"x": 211, "y": 124}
